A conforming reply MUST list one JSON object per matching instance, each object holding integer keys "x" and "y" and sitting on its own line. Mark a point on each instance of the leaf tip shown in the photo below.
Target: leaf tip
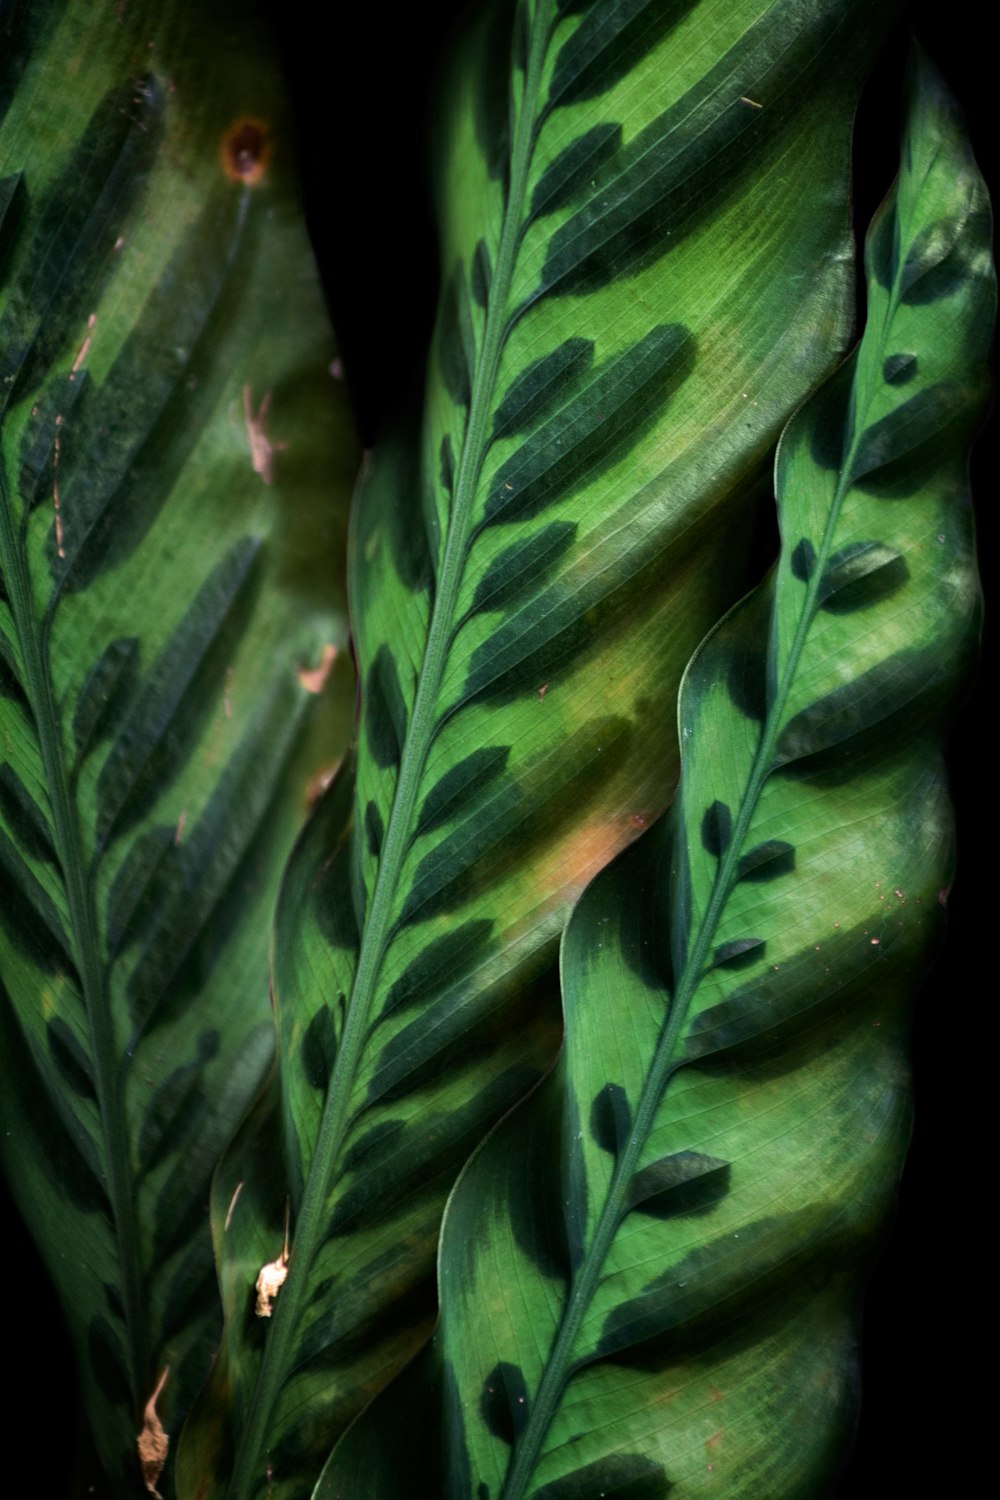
{"x": 152, "y": 1443}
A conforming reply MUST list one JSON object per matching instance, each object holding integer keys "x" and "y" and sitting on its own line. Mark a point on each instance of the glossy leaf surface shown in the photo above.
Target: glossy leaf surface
{"x": 174, "y": 462}
{"x": 645, "y": 263}
{"x": 650, "y": 1274}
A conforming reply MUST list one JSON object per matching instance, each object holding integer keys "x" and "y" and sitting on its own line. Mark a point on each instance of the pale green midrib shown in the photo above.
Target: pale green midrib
{"x": 108, "y": 1076}
{"x": 309, "y": 1228}
{"x": 558, "y": 1368}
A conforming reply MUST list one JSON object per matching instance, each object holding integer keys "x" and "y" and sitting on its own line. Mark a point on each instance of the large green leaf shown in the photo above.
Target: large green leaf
{"x": 650, "y": 1273}
{"x": 646, "y": 264}
{"x": 173, "y": 466}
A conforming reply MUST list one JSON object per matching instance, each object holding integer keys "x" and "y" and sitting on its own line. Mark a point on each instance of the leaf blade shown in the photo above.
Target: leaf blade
{"x": 139, "y": 289}
{"x": 788, "y": 1078}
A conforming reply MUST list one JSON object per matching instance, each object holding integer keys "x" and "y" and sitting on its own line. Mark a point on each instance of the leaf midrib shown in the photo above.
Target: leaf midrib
{"x": 108, "y": 1076}
{"x": 309, "y": 1231}
{"x": 559, "y": 1367}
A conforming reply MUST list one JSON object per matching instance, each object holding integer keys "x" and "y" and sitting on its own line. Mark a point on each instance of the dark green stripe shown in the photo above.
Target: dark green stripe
{"x": 69, "y": 261}
{"x": 860, "y": 575}
{"x": 611, "y": 39}
{"x": 572, "y": 172}
{"x": 461, "y": 786}
{"x": 146, "y": 751}
{"x": 594, "y": 428}
{"x": 520, "y": 569}
{"x": 543, "y": 387}
{"x": 25, "y": 817}
{"x": 104, "y": 695}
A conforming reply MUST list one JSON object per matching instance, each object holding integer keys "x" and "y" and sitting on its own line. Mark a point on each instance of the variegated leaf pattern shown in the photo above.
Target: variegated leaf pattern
{"x": 172, "y": 459}
{"x": 650, "y": 1273}
{"x": 645, "y": 266}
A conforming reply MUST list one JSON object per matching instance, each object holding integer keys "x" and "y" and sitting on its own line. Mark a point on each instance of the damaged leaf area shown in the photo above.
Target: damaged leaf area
{"x": 153, "y": 1444}
{"x": 271, "y": 1278}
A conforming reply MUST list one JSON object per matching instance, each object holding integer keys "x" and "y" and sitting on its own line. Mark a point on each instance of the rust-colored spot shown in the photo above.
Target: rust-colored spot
{"x": 262, "y": 450}
{"x": 313, "y": 679}
{"x": 270, "y": 1280}
{"x": 153, "y": 1443}
{"x": 246, "y": 151}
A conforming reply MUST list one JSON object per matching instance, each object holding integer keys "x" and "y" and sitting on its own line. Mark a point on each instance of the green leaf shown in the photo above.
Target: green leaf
{"x": 169, "y": 585}
{"x": 645, "y": 267}
{"x": 650, "y": 1273}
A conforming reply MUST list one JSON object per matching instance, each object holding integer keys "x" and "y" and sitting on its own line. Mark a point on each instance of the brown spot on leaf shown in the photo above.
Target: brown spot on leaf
{"x": 84, "y": 348}
{"x": 271, "y": 1278}
{"x": 246, "y": 151}
{"x": 262, "y": 450}
{"x": 153, "y": 1443}
{"x": 313, "y": 679}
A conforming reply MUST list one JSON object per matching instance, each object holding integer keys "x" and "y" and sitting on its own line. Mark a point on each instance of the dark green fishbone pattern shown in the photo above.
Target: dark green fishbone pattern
{"x": 650, "y": 1274}
{"x": 532, "y": 562}
{"x": 156, "y": 726}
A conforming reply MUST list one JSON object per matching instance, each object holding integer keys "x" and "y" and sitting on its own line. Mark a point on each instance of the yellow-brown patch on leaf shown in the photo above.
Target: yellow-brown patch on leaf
{"x": 153, "y": 1443}
{"x": 575, "y": 861}
{"x": 314, "y": 679}
{"x": 246, "y": 151}
{"x": 271, "y": 1278}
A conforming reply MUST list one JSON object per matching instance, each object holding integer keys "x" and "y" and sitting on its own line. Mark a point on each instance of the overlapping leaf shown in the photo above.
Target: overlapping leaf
{"x": 646, "y": 262}
{"x": 650, "y": 1273}
{"x": 171, "y": 461}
